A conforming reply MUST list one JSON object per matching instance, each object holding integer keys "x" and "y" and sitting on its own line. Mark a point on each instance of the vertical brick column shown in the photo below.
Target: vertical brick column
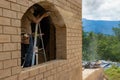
{"x": 69, "y": 42}
{"x": 10, "y": 15}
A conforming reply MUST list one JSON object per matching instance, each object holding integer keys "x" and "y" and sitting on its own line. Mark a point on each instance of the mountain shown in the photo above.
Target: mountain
{"x": 99, "y": 26}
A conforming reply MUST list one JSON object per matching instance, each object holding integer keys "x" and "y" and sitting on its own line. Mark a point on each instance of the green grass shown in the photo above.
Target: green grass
{"x": 113, "y": 73}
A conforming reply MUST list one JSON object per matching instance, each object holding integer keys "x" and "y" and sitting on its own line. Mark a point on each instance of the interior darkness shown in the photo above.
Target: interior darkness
{"x": 48, "y": 29}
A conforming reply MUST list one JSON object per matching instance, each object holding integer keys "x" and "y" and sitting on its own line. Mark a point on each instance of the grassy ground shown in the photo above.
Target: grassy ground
{"x": 113, "y": 73}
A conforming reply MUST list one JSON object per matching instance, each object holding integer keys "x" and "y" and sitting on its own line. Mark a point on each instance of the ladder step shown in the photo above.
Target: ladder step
{"x": 40, "y": 49}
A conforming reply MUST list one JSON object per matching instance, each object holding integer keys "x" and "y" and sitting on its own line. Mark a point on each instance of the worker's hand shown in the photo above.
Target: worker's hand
{"x": 25, "y": 36}
{"x": 39, "y": 18}
{"x": 46, "y": 14}
{"x": 25, "y": 39}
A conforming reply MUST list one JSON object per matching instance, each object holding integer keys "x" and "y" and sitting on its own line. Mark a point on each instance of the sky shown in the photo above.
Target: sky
{"x": 101, "y": 9}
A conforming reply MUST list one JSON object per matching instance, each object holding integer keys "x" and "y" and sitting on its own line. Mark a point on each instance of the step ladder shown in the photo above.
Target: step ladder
{"x": 43, "y": 47}
{"x": 35, "y": 52}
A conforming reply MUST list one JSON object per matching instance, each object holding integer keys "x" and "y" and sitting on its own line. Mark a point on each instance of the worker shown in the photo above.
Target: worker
{"x": 33, "y": 15}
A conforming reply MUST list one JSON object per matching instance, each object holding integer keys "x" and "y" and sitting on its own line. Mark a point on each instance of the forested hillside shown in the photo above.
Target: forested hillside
{"x": 101, "y": 46}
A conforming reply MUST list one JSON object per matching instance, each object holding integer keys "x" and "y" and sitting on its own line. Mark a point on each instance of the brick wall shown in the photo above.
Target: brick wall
{"x": 69, "y": 42}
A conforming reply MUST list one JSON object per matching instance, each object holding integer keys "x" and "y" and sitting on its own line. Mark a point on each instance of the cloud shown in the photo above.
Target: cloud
{"x": 101, "y": 9}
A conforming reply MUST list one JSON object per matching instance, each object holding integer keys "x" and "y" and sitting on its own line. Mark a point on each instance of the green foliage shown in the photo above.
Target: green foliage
{"x": 113, "y": 73}
{"x": 89, "y": 46}
{"x": 101, "y": 46}
{"x": 117, "y": 31}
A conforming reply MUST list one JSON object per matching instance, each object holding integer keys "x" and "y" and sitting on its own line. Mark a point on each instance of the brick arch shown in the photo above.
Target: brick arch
{"x": 60, "y": 28}
{"x": 55, "y": 14}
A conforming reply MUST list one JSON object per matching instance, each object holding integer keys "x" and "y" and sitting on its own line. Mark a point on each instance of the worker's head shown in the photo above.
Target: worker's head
{"x": 39, "y": 10}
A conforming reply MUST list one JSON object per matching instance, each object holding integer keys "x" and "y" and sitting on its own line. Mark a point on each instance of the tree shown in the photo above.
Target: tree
{"x": 116, "y": 31}
{"x": 100, "y": 46}
{"x": 89, "y": 46}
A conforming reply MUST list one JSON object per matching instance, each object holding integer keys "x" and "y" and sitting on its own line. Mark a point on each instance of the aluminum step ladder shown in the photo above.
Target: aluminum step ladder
{"x": 35, "y": 52}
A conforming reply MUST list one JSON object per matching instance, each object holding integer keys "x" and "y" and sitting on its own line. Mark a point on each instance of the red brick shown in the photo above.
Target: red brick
{"x": 4, "y": 4}
{"x": 4, "y": 21}
{"x": 4, "y": 38}
{"x": 9, "y": 30}
{"x": 5, "y": 73}
{"x": 5, "y": 55}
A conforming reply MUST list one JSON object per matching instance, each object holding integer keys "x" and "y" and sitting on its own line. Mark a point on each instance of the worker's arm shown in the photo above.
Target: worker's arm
{"x": 36, "y": 19}
{"x": 39, "y": 18}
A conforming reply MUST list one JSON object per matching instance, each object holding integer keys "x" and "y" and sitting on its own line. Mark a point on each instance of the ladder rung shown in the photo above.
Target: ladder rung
{"x": 40, "y": 49}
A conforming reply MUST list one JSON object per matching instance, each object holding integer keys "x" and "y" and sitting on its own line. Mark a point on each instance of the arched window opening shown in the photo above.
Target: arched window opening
{"x": 47, "y": 33}
{"x": 49, "y": 40}
{"x": 53, "y": 32}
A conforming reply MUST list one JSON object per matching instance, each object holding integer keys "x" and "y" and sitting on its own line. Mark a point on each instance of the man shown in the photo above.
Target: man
{"x": 33, "y": 15}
